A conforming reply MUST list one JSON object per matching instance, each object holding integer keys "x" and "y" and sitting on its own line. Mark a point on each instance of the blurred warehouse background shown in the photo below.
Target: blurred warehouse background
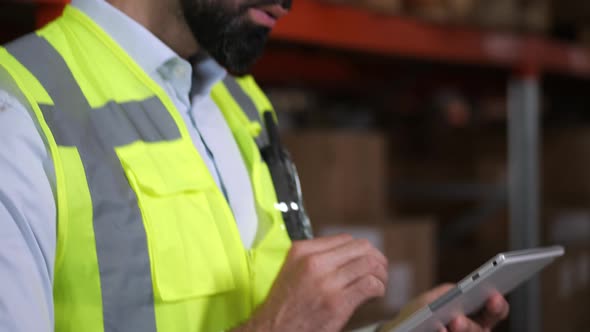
{"x": 445, "y": 131}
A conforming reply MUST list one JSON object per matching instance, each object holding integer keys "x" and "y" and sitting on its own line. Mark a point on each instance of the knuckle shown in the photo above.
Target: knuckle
{"x": 369, "y": 265}
{"x": 381, "y": 289}
{"x": 372, "y": 286}
{"x": 365, "y": 244}
{"x": 312, "y": 263}
{"x": 375, "y": 263}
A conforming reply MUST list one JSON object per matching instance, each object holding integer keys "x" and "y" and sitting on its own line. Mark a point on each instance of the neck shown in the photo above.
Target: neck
{"x": 164, "y": 20}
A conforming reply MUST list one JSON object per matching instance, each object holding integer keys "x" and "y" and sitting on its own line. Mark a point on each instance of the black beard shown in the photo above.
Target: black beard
{"x": 228, "y": 37}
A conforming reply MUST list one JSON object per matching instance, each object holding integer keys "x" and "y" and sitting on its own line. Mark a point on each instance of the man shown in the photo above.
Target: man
{"x": 133, "y": 195}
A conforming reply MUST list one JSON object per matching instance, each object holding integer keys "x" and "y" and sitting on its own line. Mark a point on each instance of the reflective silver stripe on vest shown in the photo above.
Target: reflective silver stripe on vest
{"x": 249, "y": 107}
{"x": 121, "y": 243}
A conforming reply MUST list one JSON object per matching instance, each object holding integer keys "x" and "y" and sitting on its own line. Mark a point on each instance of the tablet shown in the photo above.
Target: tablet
{"x": 502, "y": 274}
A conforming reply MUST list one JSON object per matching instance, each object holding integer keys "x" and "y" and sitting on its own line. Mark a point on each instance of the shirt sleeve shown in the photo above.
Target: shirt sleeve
{"x": 27, "y": 222}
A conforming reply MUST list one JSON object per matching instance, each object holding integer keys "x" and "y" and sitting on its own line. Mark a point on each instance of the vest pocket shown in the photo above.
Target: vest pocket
{"x": 187, "y": 254}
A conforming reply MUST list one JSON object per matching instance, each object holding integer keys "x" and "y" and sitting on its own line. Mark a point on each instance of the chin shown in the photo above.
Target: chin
{"x": 241, "y": 69}
{"x": 240, "y": 59}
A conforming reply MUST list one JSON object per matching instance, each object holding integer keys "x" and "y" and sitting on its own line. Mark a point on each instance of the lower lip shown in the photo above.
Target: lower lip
{"x": 260, "y": 17}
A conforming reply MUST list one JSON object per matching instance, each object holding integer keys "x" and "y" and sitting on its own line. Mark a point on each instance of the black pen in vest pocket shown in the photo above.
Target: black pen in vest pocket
{"x": 286, "y": 183}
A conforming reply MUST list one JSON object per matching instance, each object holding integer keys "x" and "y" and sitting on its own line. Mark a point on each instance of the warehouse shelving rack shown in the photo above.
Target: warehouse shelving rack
{"x": 526, "y": 57}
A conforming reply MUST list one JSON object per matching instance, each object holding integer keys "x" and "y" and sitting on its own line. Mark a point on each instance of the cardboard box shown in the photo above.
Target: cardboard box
{"x": 566, "y": 283}
{"x": 382, "y": 6}
{"x": 379, "y": 6}
{"x": 584, "y": 35}
{"x": 461, "y": 10}
{"x": 566, "y": 292}
{"x": 410, "y": 248}
{"x": 497, "y": 14}
{"x": 574, "y": 11}
{"x": 434, "y": 10}
{"x": 566, "y": 161}
{"x": 537, "y": 15}
{"x": 342, "y": 172}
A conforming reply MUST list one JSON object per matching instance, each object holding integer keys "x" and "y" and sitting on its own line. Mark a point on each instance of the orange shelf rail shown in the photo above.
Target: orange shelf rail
{"x": 337, "y": 26}
{"x": 47, "y": 10}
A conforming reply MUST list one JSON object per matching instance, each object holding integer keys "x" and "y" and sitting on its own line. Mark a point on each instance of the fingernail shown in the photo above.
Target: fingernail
{"x": 497, "y": 306}
{"x": 460, "y": 324}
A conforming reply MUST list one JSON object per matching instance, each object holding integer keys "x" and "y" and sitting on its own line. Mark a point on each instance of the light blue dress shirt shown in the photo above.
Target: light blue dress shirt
{"x": 27, "y": 177}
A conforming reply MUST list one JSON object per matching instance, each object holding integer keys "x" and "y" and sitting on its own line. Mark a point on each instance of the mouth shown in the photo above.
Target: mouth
{"x": 266, "y": 15}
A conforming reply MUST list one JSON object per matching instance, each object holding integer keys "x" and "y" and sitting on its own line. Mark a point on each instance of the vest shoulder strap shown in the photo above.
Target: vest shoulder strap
{"x": 252, "y": 102}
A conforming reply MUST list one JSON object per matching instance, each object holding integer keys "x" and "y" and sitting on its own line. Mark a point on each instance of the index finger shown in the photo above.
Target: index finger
{"x": 495, "y": 311}
{"x": 464, "y": 324}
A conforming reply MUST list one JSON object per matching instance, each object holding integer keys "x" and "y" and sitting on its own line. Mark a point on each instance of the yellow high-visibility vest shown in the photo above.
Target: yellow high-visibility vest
{"x": 146, "y": 240}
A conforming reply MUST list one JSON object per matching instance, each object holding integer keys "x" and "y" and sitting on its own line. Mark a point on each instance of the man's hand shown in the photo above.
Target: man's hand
{"x": 321, "y": 284}
{"x": 495, "y": 311}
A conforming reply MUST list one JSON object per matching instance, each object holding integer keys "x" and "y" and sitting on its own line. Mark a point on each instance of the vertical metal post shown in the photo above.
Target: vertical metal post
{"x": 523, "y": 122}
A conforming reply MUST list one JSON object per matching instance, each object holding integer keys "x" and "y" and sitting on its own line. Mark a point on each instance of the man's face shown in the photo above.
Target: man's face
{"x": 233, "y": 32}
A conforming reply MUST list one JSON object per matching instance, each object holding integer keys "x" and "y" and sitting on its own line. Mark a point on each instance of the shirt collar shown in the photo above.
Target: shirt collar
{"x": 145, "y": 48}
{"x": 206, "y": 73}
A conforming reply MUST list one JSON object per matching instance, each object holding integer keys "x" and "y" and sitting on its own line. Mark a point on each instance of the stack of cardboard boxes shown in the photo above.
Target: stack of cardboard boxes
{"x": 521, "y": 15}
{"x": 566, "y": 283}
{"x": 566, "y": 212}
{"x": 528, "y": 16}
{"x": 566, "y": 165}
{"x": 571, "y": 10}
{"x": 345, "y": 174}
{"x": 573, "y": 17}
{"x": 388, "y": 7}
{"x": 344, "y": 180}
